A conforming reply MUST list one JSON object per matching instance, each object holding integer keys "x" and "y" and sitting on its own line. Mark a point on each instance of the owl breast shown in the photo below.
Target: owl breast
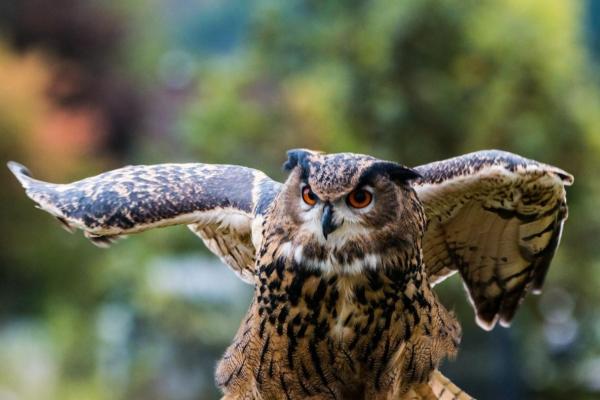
{"x": 311, "y": 332}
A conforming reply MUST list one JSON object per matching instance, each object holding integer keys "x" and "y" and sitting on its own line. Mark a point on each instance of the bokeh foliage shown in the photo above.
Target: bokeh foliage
{"x": 241, "y": 82}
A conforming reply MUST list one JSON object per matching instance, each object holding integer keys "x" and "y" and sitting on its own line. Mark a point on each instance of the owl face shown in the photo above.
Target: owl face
{"x": 346, "y": 212}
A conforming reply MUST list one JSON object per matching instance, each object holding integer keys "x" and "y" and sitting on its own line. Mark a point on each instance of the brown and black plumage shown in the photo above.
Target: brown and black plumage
{"x": 343, "y": 257}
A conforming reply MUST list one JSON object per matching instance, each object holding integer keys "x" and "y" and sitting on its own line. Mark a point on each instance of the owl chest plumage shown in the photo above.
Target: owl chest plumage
{"x": 330, "y": 335}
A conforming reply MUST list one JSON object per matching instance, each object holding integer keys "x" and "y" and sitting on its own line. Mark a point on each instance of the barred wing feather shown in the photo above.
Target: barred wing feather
{"x": 496, "y": 218}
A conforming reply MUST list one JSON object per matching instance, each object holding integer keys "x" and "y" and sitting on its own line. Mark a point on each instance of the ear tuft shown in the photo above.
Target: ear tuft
{"x": 396, "y": 172}
{"x": 296, "y": 157}
{"x": 403, "y": 174}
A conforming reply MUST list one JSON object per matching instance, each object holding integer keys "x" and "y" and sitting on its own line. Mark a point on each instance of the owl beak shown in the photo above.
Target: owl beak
{"x": 327, "y": 220}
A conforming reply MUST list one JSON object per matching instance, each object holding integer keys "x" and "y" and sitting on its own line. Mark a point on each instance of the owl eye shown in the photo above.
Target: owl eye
{"x": 308, "y": 196}
{"x": 359, "y": 198}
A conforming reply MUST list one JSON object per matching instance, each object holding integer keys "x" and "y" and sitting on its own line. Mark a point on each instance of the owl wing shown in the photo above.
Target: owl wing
{"x": 220, "y": 203}
{"x": 496, "y": 218}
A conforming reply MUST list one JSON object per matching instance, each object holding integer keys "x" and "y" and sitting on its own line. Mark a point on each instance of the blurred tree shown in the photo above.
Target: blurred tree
{"x": 82, "y": 45}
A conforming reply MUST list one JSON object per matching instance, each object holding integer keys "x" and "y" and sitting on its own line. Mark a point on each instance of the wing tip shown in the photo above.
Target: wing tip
{"x": 34, "y": 189}
{"x": 566, "y": 178}
{"x": 537, "y": 290}
{"x": 490, "y": 325}
{"x": 505, "y": 323}
{"x": 19, "y": 171}
{"x": 486, "y": 325}
{"x": 65, "y": 224}
{"x": 102, "y": 241}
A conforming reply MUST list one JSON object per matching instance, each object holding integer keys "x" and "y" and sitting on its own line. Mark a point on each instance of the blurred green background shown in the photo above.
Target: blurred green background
{"x": 87, "y": 86}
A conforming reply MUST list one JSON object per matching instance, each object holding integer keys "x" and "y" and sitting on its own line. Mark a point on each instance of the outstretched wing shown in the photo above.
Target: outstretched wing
{"x": 496, "y": 218}
{"x": 217, "y": 202}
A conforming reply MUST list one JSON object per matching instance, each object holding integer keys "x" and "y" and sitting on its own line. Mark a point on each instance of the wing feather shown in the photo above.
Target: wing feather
{"x": 496, "y": 218}
{"x": 220, "y": 203}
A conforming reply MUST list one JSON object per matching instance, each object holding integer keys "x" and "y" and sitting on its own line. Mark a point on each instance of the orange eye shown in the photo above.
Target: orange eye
{"x": 359, "y": 198}
{"x": 308, "y": 196}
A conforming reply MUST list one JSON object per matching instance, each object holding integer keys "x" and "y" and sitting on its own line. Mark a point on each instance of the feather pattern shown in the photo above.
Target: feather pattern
{"x": 496, "y": 218}
{"x": 217, "y": 202}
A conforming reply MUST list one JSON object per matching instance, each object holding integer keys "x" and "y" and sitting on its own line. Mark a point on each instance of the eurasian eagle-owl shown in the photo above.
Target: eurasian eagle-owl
{"x": 343, "y": 257}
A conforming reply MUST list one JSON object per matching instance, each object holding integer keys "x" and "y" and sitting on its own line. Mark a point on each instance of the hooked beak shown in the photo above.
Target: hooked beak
{"x": 327, "y": 220}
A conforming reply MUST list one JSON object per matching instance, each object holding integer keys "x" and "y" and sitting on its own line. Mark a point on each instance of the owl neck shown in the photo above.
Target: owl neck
{"x": 286, "y": 274}
{"x": 396, "y": 252}
{"x": 287, "y": 262}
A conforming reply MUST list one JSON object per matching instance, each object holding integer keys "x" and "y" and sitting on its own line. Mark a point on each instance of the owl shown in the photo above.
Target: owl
{"x": 343, "y": 257}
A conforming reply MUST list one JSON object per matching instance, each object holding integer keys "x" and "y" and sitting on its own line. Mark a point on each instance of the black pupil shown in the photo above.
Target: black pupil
{"x": 360, "y": 196}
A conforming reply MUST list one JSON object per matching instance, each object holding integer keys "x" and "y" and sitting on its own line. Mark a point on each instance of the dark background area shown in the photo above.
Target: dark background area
{"x": 87, "y": 86}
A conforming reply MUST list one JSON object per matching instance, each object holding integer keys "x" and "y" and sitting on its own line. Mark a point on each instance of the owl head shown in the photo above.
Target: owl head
{"x": 346, "y": 212}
